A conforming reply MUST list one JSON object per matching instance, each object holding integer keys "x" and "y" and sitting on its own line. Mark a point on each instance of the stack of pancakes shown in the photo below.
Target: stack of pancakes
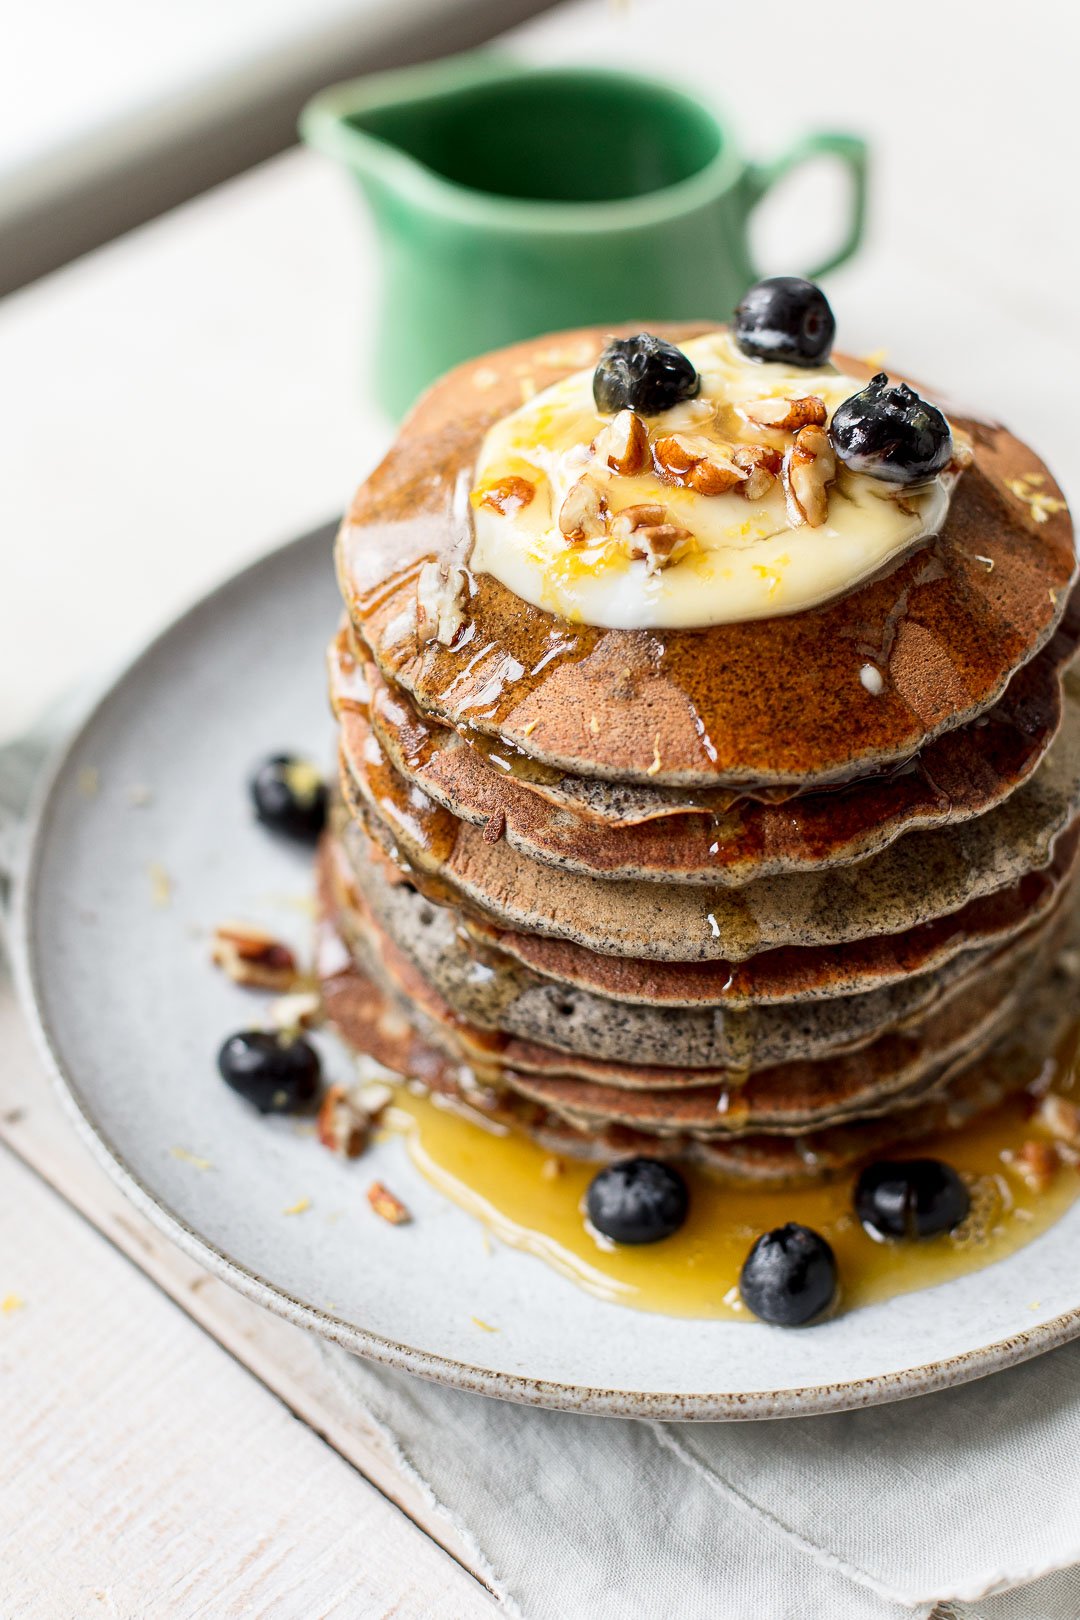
{"x": 770, "y": 895}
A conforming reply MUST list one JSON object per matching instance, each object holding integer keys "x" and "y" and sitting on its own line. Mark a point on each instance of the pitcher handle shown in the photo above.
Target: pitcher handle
{"x": 851, "y": 151}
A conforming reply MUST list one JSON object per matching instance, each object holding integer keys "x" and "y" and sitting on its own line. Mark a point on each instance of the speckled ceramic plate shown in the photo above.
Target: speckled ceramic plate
{"x": 143, "y": 841}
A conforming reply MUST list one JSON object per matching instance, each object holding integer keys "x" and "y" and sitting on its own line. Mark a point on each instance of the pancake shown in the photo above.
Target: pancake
{"x": 1015, "y": 1063}
{"x": 770, "y": 701}
{"x": 793, "y": 1096}
{"x": 791, "y": 974}
{"x": 368, "y": 1020}
{"x": 915, "y": 880}
{"x": 363, "y": 1017}
{"x": 801, "y": 1097}
{"x": 410, "y": 737}
{"x": 963, "y": 774}
{"x": 493, "y": 993}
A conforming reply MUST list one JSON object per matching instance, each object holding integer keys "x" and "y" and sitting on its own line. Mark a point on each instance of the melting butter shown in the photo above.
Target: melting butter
{"x": 749, "y": 560}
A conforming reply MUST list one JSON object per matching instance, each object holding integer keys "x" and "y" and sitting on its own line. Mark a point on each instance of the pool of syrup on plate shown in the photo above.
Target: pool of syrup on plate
{"x": 530, "y": 1199}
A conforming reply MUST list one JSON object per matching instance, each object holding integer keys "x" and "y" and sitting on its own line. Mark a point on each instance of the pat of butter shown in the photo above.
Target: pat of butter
{"x": 748, "y": 559}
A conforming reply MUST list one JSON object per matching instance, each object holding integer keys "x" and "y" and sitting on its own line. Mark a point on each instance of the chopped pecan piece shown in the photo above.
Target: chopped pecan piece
{"x": 374, "y": 1097}
{"x": 637, "y": 517}
{"x": 661, "y": 544}
{"x": 648, "y": 534}
{"x": 300, "y": 1009}
{"x": 386, "y": 1205}
{"x": 696, "y": 463}
{"x": 787, "y": 414}
{"x": 1037, "y": 1163}
{"x": 342, "y": 1126}
{"x": 1060, "y": 1117}
{"x": 583, "y": 514}
{"x": 623, "y": 444}
{"x": 250, "y": 956}
{"x": 507, "y": 495}
{"x": 440, "y": 597}
{"x": 810, "y": 468}
{"x": 759, "y": 465}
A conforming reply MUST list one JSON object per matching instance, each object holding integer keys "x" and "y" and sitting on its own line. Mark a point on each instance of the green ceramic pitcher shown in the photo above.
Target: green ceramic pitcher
{"x": 512, "y": 201}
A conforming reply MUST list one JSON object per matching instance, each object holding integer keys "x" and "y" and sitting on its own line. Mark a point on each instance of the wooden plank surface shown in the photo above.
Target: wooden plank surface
{"x": 126, "y": 1417}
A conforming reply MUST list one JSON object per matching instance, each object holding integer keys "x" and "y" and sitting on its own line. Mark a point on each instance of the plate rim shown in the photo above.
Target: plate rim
{"x": 712, "y": 1406}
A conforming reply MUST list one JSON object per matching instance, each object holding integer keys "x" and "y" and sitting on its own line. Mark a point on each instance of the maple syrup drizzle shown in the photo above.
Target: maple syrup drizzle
{"x": 532, "y": 1200}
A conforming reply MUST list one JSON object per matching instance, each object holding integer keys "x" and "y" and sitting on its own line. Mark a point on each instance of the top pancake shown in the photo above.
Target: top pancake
{"x": 772, "y": 701}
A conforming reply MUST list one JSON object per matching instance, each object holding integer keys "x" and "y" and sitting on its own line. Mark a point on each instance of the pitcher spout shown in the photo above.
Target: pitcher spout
{"x": 390, "y": 130}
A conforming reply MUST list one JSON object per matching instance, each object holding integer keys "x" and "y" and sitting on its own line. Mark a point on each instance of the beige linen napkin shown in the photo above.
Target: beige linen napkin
{"x": 901, "y": 1512}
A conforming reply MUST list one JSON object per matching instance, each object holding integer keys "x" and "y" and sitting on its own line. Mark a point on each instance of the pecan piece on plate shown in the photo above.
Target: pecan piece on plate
{"x": 250, "y": 956}
{"x": 342, "y": 1125}
{"x": 386, "y": 1205}
{"x": 1037, "y": 1163}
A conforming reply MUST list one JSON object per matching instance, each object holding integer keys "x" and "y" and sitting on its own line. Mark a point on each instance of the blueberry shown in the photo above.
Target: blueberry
{"x": 637, "y": 1201}
{"x": 785, "y": 318}
{"x": 643, "y": 374}
{"x": 891, "y": 433}
{"x": 289, "y": 795}
{"x": 789, "y": 1276}
{"x": 910, "y": 1198}
{"x": 279, "y": 1074}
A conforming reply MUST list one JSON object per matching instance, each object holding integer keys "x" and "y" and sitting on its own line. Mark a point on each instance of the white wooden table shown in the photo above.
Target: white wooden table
{"x": 175, "y": 404}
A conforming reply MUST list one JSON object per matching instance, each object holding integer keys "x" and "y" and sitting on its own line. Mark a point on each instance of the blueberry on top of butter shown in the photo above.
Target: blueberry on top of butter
{"x": 787, "y": 319}
{"x": 643, "y": 374}
{"x": 890, "y": 432}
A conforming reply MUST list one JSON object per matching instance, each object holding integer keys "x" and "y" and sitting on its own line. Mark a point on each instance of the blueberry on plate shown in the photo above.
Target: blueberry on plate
{"x": 289, "y": 796}
{"x": 910, "y": 1198}
{"x": 637, "y": 1201}
{"x": 888, "y": 431}
{"x": 789, "y": 1276}
{"x": 643, "y": 374}
{"x": 278, "y": 1073}
{"x": 785, "y": 318}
